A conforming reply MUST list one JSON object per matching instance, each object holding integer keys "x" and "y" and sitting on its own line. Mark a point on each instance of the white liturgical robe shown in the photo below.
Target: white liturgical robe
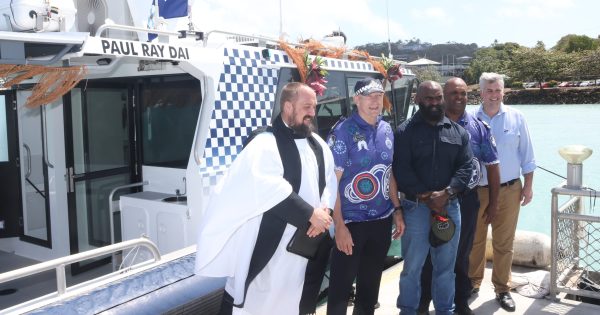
{"x": 227, "y": 234}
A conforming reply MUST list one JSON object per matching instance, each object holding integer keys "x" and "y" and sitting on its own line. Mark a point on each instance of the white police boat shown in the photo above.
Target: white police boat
{"x": 110, "y": 145}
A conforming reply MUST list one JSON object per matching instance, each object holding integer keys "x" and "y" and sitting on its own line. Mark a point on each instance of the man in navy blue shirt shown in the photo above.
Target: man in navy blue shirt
{"x": 485, "y": 156}
{"x": 432, "y": 163}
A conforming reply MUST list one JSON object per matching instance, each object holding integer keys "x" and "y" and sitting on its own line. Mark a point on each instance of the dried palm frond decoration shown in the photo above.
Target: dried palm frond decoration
{"x": 53, "y": 82}
{"x": 382, "y": 66}
{"x": 311, "y": 70}
{"x": 297, "y": 56}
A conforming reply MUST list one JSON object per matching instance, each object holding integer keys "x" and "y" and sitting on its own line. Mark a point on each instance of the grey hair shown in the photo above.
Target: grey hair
{"x": 490, "y": 77}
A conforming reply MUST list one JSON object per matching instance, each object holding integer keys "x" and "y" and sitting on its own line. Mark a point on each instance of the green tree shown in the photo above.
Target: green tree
{"x": 587, "y": 64}
{"x": 428, "y": 73}
{"x": 574, "y": 43}
{"x": 490, "y": 59}
{"x": 536, "y": 64}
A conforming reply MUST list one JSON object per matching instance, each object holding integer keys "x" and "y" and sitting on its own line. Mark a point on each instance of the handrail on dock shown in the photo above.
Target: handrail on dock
{"x": 60, "y": 263}
{"x": 575, "y": 258}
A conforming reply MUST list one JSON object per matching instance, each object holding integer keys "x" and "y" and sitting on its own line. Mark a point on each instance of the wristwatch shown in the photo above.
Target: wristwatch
{"x": 450, "y": 191}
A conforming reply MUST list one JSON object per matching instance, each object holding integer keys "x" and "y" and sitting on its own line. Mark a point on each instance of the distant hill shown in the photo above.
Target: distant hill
{"x": 414, "y": 49}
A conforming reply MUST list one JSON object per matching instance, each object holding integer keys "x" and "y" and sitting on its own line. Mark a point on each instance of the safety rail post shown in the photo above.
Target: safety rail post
{"x": 553, "y": 247}
{"x": 61, "y": 279}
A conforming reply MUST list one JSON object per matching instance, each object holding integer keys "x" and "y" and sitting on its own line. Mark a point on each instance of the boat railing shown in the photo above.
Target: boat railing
{"x": 240, "y": 38}
{"x": 575, "y": 237}
{"x": 111, "y": 212}
{"x": 121, "y": 27}
{"x": 59, "y": 264}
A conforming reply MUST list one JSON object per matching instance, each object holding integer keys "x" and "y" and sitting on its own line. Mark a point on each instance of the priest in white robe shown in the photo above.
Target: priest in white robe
{"x": 282, "y": 181}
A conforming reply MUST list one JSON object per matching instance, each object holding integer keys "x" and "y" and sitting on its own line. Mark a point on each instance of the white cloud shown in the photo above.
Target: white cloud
{"x": 433, "y": 16}
{"x": 359, "y": 19}
{"x": 429, "y": 13}
{"x": 537, "y": 9}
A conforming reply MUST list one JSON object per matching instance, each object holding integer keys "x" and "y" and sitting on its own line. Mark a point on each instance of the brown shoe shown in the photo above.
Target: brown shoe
{"x": 506, "y": 301}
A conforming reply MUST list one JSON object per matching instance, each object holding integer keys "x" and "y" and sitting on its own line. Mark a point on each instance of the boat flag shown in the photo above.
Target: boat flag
{"x": 172, "y": 8}
{"x": 167, "y": 9}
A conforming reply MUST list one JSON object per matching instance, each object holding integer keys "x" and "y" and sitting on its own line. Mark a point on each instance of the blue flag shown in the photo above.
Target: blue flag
{"x": 172, "y": 8}
{"x": 168, "y": 9}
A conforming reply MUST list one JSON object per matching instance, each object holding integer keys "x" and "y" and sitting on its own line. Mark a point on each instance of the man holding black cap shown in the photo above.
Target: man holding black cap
{"x": 432, "y": 163}
{"x": 367, "y": 203}
{"x": 485, "y": 156}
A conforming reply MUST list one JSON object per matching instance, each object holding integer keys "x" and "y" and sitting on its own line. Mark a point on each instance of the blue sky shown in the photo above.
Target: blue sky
{"x": 435, "y": 21}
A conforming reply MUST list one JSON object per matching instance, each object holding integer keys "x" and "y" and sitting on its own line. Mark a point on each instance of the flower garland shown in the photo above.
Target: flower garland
{"x": 315, "y": 77}
{"x": 392, "y": 70}
{"x": 310, "y": 70}
{"x": 312, "y": 73}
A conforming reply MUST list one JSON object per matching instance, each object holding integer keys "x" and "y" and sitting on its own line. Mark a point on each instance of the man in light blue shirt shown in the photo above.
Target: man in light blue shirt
{"x": 515, "y": 153}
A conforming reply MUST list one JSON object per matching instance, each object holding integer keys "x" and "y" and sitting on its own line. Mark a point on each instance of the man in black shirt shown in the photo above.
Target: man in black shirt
{"x": 432, "y": 163}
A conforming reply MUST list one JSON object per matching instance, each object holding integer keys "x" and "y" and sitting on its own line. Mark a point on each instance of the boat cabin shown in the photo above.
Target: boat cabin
{"x": 144, "y": 129}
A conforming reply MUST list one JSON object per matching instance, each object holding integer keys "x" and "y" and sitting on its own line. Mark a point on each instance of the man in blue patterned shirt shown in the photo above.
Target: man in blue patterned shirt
{"x": 485, "y": 156}
{"x": 362, "y": 147}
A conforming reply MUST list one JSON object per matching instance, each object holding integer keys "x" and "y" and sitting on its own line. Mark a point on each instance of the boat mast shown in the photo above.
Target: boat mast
{"x": 280, "y": 20}
{"x": 387, "y": 11}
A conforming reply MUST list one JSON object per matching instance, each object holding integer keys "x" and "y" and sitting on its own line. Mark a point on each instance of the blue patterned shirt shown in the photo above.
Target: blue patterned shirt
{"x": 483, "y": 146}
{"x": 364, "y": 154}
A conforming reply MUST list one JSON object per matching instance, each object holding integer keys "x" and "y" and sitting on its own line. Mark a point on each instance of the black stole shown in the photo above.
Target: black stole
{"x": 271, "y": 226}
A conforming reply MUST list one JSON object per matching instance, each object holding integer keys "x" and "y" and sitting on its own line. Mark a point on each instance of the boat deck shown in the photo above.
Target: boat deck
{"x": 25, "y": 289}
{"x": 483, "y": 303}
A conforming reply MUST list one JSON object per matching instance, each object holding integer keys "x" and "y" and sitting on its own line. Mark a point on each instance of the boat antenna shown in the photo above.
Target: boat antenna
{"x": 191, "y": 26}
{"x": 280, "y": 20}
{"x": 387, "y": 11}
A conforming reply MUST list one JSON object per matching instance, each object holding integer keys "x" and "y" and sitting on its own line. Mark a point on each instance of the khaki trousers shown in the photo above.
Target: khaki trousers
{"x": 503, "y": 235}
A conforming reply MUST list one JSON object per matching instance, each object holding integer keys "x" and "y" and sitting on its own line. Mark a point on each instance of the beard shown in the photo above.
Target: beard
{"x": 303, "y": 129}
{"x": 432, "y": 112}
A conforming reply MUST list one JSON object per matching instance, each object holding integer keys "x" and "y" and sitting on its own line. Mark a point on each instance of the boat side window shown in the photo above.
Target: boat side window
{"x": 170, "y": 108}
{"x": 3, "y": 130}
{"x": 400, "y": 100}
{"x": 330, "y": 106}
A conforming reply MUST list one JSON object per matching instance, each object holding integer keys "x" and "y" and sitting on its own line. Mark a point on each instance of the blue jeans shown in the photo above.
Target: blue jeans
{"x": 415, "y": 247}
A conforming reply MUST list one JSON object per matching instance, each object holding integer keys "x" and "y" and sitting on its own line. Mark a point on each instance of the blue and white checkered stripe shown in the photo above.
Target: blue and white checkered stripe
{"x": 347, "y": 65}
{"x": 245, "y": 98}
{"x": 244, "y": 101}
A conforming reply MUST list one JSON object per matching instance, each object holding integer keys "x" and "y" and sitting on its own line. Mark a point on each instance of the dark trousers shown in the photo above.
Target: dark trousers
{"x": 371, "y": 243}
{"x": 469, "y": 207}
{"x": 315, "y": 272}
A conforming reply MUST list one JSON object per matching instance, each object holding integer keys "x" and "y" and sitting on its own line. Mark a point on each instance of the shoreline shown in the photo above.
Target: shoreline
{"x": 547, "y": 96}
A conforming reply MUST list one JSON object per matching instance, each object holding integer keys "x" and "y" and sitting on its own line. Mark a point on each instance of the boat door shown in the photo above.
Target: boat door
{"x": 10, "y": 194}
{"x": 100, "y": 155}
{"x": 34, "y": 180}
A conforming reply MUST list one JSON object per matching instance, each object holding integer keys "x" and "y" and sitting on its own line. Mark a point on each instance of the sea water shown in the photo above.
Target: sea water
{"x": 552, "y": 127}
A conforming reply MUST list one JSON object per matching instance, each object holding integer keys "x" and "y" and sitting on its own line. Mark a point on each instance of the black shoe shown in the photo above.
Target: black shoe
{"x": 423, "y": 309}
{"x": 506, "y": 301}
{"x": 463, "y": 310}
